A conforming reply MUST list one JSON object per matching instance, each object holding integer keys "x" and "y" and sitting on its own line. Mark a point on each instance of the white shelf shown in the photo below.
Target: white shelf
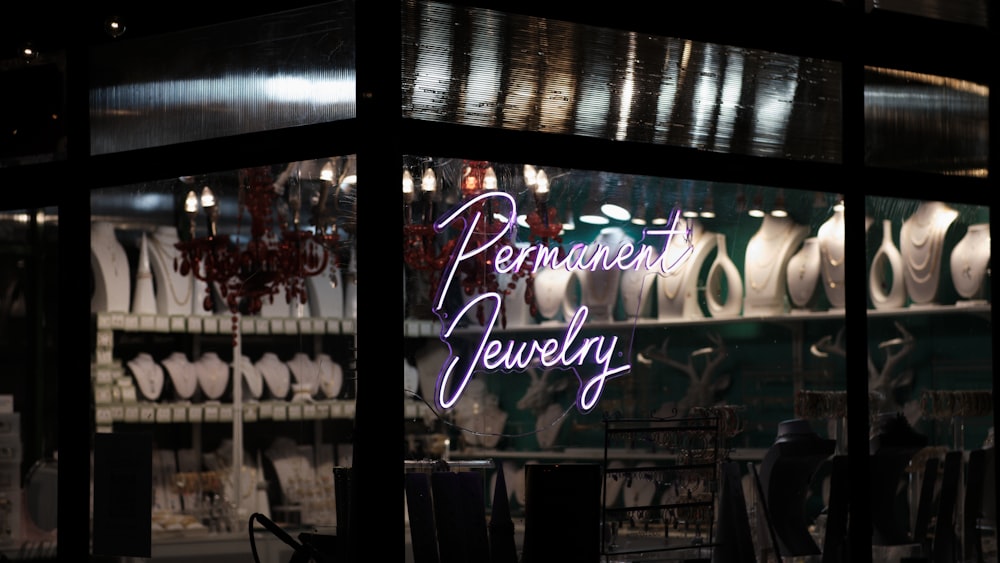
{"x": 222, "y": 324}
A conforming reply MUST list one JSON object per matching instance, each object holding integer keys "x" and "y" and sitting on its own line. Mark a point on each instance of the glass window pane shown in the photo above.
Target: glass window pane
{"x": 282, "y": 70}
{"x": 924, "y": 122}
{"x": 542, "y": 302}
{"x": 490, "y": 69}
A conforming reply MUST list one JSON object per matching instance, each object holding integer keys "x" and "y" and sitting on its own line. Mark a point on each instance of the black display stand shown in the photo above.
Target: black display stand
{"x": 835, "y": 541}
{"x": 735, "y": 541}
{"x": 562, "y": 513}
{"x": 786, "y": 474}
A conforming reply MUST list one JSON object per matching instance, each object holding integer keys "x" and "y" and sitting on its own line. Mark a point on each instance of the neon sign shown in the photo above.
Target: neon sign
{"x": 592, "y": 358}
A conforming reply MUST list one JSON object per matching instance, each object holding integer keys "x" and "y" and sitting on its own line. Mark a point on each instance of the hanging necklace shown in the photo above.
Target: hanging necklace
{"x": 148, "y": 375}
{"x": 164, "y": 262}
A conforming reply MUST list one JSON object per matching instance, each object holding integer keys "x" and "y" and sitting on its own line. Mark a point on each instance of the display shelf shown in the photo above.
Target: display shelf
{"x": 222, "y": 324}
{"x": 146, "y": 413}
{"x": 595, "y": 454}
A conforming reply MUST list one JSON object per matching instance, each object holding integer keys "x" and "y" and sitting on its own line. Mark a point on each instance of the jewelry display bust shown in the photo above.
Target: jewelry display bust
{"x": 213, "y": 375}
{"x": 305, "y": 375}
{"x": 479, "y": 416}
{"x": 253, "y": 385}
{"x": 551, "y": 286}
{"x": 970, "y": 264}
{"x": 677, "y": 290}
{"x": 803, "y": 275}
{"x": 110, "y": 268}
{"x": 276, "y": 376}
{"x": 175, "y": 292}
{"x": 599, "y": 288}
{"x": 766, "y": 262}
{"x": 728, "y": 303}
{"x": 831, "y": 245}
{"x": 148, "y": 376}
{"x": 182, "y": 374}
{"x": 637, "y": 291}
{"x": 331, "y": 376}
{"x": 921, "y": 243}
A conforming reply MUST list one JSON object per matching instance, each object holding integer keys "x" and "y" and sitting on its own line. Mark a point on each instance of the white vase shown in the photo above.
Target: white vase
{"x": 887, "y": 273}
{"x": 802, "y": 275}
{"x": 723, "y": 278}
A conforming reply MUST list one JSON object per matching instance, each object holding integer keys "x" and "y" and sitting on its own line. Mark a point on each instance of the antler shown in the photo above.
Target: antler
{"x": 884, "y": 381}
{"x": 830, "y": 345}
{"x": 701, "y": 391}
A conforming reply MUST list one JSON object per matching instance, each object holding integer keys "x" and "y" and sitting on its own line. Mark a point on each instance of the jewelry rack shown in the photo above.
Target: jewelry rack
{"x": 681, "y": 514}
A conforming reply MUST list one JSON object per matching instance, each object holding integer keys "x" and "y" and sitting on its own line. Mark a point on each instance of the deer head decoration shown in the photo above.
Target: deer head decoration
{"x": 884, "y": 382}
{"x": 703, "y": 385}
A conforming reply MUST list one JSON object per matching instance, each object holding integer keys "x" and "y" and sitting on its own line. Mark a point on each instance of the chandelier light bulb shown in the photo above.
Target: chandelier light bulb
{"x": 542, "y": 185}
{"x": 407, "y": 185}
{"x": 490, "y": 179}
{"x": 326, "y": 174}
{"x": 428, "y": 183}
{"x": 530, "y": 175}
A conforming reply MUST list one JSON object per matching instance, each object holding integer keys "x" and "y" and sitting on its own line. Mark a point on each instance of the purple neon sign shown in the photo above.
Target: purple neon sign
{"x": 591, "y": 358}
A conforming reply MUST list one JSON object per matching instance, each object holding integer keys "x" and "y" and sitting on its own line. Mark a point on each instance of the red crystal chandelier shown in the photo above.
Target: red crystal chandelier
{"x": 273, "y": 260}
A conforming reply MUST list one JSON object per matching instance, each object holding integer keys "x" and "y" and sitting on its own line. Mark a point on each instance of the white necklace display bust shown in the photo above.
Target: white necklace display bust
{"x": 148, "y": 376}
{"x": 921, "y": 244}
{"x": 175, "y": 292}
{"x": 766, "y": 264}
{"x": 110, "y": 268}
{"x": 677, "y": 290}
{"x": 331, "y": 376}
{"x": 182, "y": 375}
{"x": 276, "y": 375}
{"x": 213, "y": 375}
{"x": 831, "y": 244}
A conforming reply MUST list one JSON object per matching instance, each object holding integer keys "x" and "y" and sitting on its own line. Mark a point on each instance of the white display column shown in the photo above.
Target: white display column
{"x": 766, "y": 263}
{"x": 921, "y": 243}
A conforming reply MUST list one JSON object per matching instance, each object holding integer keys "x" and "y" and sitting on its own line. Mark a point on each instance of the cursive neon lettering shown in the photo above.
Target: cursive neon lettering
{"x": 590, "y": 358}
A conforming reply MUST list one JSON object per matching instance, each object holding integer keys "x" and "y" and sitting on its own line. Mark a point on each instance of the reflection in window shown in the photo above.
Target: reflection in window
{"x": 284, "y": 70}
{"x": 490, "y": 69}
{"x": 923, "y": 122}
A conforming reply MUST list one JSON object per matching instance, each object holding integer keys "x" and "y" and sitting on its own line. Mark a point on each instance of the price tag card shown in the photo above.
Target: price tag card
{"x": 103, "y": 321}
{"x": 266, "y": 411}
{"x": 179, "y": 414}
{"x": 118, "y": 413}
{"x": 195, "y": 414}
{"x": 260, "y": 326}
{"x": 280, "y": 412}
{"x": 162, "y": 324}
{"x": 163, "y": 415}
{"x": 249, "y": 413}
{"x": 147, "y": 414}
{"x": 131, "y": 322}
{"x": 103, "y": 416}
{"x": 323, "y": 410}
{"x": 104, "y": 376}
{"x": 290, "y": 326}
{"x": 211, "y": 413}
{"x": 349, "y": 409}
{"x": 276, "y": 326}
{"x": 210, "y": 325}
{"x": 333, "y": 326}
{"x": 147, "y": 322}
{"x": 347, "y": 326}
{"x": 294, "y": 412}
{"x": 226, "y": 413}
{"x": 336, "y": 409}
{"x": 178, "y": 324}
{"x": 309, "y": 412}
{"x": 131, "y": 414}
{"x": 117, "y": 321}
